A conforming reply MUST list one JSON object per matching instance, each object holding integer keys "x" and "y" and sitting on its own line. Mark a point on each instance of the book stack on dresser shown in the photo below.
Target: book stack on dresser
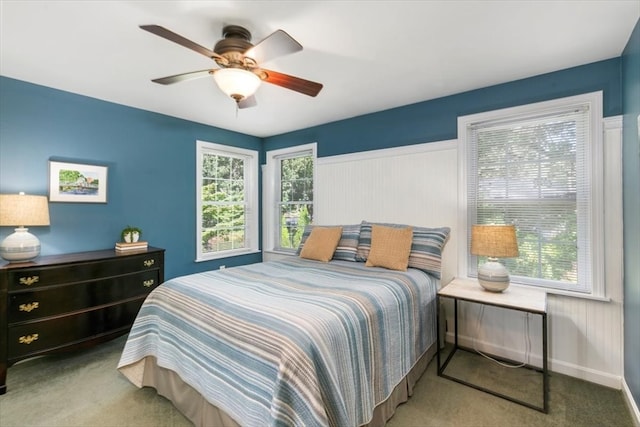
{"x": 133, "y": 246}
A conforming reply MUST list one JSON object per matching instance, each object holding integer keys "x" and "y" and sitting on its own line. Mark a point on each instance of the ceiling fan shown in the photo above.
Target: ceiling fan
{"x": 240, "y": 73}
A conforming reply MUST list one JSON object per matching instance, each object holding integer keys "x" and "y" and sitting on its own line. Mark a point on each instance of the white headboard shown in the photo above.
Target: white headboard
{"x": 414, "y": 185}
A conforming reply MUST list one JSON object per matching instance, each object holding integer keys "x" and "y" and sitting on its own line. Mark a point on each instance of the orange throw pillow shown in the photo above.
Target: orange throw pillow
{"x": 390, "y": 247}
{"x": 321, "y": 243}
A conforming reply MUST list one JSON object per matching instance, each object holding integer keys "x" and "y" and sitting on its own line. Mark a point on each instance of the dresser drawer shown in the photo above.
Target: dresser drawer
{"x": 30, "y": 338}
{"x": 30, "y": 278}
{"x": 54, "y": 300}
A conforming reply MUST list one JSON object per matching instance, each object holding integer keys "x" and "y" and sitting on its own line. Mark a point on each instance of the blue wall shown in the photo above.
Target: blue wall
{"x": 436, "y": 120}
{"x": 151, "y": 178}
{"x": 631, "y": 200}
{"x": 151, "y": 157}
{"x": 151, "y": 160}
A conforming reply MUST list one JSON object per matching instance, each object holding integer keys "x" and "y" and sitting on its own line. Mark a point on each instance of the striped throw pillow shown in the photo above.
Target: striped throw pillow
{"x": 426, "y": 247}
{"x": 347, "y": 246}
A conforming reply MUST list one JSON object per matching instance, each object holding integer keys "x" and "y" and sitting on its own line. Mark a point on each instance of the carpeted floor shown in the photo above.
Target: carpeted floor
{"x": 85, "y": 389}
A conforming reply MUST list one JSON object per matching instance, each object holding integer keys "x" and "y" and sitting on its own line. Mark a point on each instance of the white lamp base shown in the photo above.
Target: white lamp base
{"x": 20, "y": 246}
{"x": 493, "y": 276}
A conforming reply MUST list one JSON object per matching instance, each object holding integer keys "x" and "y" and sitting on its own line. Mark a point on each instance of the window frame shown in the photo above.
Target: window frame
{"x": 595, "y": 161}
{"x": 250, "y": 158}
{"x": 271, "y": 192}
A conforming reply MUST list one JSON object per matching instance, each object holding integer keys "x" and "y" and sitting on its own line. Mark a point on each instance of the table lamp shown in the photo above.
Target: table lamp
{"x": 494, "y": 241}
{"x": 20, "y": 210}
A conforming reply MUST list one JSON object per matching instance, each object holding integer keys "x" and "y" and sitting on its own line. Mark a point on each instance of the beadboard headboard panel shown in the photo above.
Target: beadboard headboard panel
{"x": 414, "y": 184}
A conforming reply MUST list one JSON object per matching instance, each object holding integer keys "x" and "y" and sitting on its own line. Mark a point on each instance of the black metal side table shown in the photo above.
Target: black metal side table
{"x": 514, "y": 298}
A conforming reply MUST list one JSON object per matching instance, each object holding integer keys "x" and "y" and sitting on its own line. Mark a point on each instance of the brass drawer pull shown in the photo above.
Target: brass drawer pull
{"x": 28, "y": 339}
{"x": 29, "y": 307}
{"x": 148, "y": 283}
{"x": 149, "y": 262}
{"x": 29, "y": 280}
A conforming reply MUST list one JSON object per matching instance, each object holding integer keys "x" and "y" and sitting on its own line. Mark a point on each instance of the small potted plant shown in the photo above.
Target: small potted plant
{"x": 130, "y": 234}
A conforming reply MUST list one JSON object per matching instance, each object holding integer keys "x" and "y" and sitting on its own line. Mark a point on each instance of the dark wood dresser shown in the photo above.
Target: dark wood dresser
{"x": 66, "y": 302}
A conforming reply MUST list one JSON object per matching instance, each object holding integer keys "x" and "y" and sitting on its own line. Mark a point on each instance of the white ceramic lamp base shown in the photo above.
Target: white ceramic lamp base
{"x": 20, "y": 246}
{"x": 493, "y": 276}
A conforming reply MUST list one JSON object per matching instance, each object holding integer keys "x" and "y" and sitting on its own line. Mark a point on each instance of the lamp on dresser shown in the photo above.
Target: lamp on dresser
{"x": 20, "y": 210}
{"x": 494, "y": 241}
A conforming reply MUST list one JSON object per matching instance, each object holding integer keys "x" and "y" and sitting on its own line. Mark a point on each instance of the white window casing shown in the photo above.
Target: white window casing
{"x": 501, "y": 183}
{"x": 271, "y": 193}
{"x": 248, "y": 230}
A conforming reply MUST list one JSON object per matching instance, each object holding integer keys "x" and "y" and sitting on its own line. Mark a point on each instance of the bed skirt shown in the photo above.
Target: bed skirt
{"x": 146, "y": 373}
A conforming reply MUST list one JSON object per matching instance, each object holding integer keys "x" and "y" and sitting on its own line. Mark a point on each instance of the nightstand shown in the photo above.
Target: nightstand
{"x": 523, "y": 299}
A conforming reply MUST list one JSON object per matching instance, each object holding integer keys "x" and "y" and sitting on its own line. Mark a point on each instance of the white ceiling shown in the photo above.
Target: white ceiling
{"x": 370, "y": 55}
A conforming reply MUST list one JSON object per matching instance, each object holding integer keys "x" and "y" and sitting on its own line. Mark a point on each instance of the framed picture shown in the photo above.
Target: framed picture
{"x": 78, "y": 183}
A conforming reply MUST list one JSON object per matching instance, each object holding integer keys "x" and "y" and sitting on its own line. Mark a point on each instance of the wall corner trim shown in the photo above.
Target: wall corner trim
{"x": 613, "y": 122}
{"x": 633, "y": 407}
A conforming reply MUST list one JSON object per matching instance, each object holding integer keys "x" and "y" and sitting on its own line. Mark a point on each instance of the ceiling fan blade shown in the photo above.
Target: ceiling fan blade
{"x": 278, "y": 43}
{"x": 183, "y": 77}
{"x": 248, "y": 102}
{"x": 177, "y": 38}
{"x": 297, "y": 84}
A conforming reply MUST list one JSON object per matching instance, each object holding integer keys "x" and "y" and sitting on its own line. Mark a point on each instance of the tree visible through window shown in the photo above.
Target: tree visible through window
{"x": 225, "y": 200}
{"x": 295, "y": 207}
{"x": 526, "y": 176}
{"x": 223, "y": 205}
{"x": 535, "y": 167}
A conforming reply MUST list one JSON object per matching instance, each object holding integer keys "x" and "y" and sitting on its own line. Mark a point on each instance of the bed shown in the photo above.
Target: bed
{"x": 291, "y": 342}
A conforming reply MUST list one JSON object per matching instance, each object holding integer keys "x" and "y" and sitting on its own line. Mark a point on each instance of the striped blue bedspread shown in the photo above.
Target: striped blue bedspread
{"x": 293, "y": 342}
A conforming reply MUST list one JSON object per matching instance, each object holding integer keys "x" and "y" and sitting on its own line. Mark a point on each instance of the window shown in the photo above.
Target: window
{"x": 227, "y": 201}
{"x": 539, "y": 167}
{"x": 291, "y": 174}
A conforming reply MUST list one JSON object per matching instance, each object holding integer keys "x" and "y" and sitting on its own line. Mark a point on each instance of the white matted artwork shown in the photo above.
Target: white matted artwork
{"x": 77, "y": 182}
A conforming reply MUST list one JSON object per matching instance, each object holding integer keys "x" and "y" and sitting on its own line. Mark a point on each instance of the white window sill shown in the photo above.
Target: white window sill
{"x": 577, "y": 295}
{"x": 277, "y": 252}
{"x": 552, "y": 291}
{"x": 228, "y": 254}
{"x": 566, "y": 293}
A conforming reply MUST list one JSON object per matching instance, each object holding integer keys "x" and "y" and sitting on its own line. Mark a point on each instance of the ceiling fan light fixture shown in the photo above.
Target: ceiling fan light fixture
{"x": 236, "y": 82}
{"x": 240, "y": 73}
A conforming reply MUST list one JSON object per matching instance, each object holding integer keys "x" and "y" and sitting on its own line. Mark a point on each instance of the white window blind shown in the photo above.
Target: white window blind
{"x": 534, "y": 170}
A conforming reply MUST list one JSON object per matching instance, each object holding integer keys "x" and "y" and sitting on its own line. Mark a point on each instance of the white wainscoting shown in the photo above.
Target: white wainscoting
{"x": 418, "y": 185}
{"x": 585, "y": 335}
{"x": 413, "y": 185}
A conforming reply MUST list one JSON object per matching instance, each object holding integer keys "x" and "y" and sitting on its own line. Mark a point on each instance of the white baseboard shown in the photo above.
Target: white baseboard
{"x": 626, "y": 391}
{"x": 572, "y": 370}
{"x": 587, "y": 374}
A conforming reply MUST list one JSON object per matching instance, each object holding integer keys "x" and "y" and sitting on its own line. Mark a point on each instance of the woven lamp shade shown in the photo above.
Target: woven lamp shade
{"x": 495, "y": 241}
{"x": 23, "y": 209}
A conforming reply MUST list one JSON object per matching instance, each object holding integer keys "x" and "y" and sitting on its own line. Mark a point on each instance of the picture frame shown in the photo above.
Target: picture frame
{"x": 77, "y": 182}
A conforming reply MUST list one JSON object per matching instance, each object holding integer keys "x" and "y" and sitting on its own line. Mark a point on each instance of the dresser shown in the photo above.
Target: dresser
{"x": 72, "y": 301}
